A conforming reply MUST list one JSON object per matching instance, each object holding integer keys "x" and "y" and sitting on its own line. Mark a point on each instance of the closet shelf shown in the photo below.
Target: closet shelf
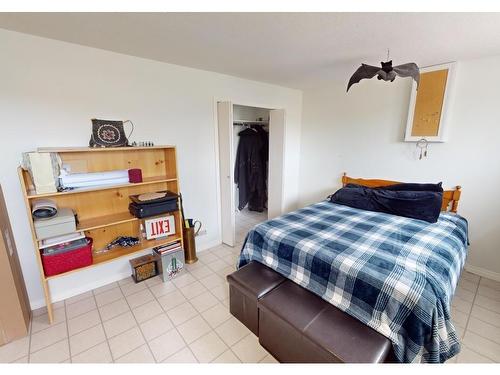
{"x": 245, "y": 122}
{"x": 146, "y": 181}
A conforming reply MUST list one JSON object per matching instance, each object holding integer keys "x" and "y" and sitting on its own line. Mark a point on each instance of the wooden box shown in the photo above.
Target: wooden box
{"x": 143, "y": 268}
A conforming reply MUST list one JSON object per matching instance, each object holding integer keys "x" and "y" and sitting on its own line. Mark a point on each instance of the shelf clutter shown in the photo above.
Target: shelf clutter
{"x": 97, "y": 219}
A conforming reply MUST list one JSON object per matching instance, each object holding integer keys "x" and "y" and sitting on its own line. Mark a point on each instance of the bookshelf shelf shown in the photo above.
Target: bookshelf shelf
{"x": 120, "y": 252}
{"x": 105, "y": 221}
{"x": 147, "y": 181}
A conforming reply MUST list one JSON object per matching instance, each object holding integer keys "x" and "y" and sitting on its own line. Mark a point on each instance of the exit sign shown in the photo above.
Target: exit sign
{"x": 159, "y": 227}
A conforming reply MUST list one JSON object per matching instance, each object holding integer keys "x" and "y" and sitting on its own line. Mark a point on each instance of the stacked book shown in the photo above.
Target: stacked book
{"x": 168, "y": 248}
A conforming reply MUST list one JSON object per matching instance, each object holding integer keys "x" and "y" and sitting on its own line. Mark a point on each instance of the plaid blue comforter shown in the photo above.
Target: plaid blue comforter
{"x": 395, "y": 274}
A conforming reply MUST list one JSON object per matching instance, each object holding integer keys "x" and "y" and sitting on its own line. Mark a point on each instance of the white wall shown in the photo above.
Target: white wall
{"x": 49, "y": 90}
{"x": 244, "y": 113}
{"x": 361, "y": 133}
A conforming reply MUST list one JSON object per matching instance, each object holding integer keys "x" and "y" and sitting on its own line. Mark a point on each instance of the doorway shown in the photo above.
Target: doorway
{"x": 251, "y": 145}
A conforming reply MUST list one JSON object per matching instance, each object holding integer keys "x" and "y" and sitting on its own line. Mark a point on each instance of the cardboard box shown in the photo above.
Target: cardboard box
{"x": 15, "y": 311}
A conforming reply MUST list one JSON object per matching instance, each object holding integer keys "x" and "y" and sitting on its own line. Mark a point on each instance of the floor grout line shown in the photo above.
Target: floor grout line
{"x": 487, "y": 322}
{"x": 481, "y": 354}
{"x": 486, "y": 308}
{"x": 138, "y": 325}
{"x": 173, "y": 324}
{"x": 114, "y": 317}
{"x": 76, "y": 316}
{"x": 67, "y": 332}
{"x": 51, "y": 325}
{"x": 215, "y": 332}
{"x": 46, "y": 346}
{"x": 469, "y": 313}
{"x": 201, "y": 316}
{"x": 54, "y": 343}
{"x": 467, "y": 326}
{"x": 29, "y": 340}
{"x": 102, "y": 323}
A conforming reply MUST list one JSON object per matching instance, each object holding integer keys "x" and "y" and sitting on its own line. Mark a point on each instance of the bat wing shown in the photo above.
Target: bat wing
{"x": 364, "y": 71}
{"x": 408, "y": 70}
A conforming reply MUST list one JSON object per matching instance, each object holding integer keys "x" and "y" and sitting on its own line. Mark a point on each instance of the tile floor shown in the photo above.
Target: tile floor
{"x": 187, "y": 320}
{"x": 476, "y": 315}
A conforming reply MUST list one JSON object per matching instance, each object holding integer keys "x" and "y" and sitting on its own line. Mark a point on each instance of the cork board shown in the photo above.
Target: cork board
{"x": 429, "y": 103}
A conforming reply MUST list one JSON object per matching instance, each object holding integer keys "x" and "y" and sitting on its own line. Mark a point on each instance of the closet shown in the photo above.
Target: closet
{"x": 249, "y": 196}
{"x": 251, "y": 163}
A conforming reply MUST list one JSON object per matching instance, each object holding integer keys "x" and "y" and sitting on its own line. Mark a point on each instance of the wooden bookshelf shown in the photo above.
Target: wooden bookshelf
{"x": 103, "y": 211}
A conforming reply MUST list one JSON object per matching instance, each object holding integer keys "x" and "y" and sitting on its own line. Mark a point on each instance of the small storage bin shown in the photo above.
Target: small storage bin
{"x": 55, "y": 264}
{"x": 171, "y": 262}
{"x": 63, "y": 223}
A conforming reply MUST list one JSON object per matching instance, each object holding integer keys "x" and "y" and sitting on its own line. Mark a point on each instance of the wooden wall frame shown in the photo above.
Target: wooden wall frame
{"x": 450, "y": 197}
{"x": 427, "y": 89}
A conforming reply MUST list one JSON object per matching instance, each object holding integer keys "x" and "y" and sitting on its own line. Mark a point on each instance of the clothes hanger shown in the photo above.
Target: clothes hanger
{"x": 250, "y": 127}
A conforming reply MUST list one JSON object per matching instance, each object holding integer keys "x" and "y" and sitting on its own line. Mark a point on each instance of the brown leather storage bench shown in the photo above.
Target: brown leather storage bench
{"x": 296, "y": 325}
{"x": 246, "y": 287}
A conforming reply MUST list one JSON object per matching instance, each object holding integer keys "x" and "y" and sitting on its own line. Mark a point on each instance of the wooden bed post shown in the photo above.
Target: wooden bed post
{"x": 344, "y": 179}
{"x": 456, "y": 197}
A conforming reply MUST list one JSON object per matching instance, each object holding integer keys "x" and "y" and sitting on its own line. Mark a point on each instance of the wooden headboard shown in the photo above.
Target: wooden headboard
{"x": 450, "y": 197}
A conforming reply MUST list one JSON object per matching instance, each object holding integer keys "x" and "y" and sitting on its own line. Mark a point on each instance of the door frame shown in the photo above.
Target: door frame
{"x": 217, "y": 154}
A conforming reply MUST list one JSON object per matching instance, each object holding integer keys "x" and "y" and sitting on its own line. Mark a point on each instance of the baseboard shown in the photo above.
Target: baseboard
{"x": 483, "y": 272}
{"x": 208, "y": 245}
{"x": 76, "y": 291}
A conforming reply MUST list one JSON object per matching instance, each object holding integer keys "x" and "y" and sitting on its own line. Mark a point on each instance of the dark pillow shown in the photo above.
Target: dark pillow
{"x": 438, "y": 188}
{"x": 408, "y": 187}
{"x": 422, "y": 205}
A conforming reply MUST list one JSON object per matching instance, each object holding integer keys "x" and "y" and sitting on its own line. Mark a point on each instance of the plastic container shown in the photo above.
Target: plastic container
{"x": 55, "y": 264}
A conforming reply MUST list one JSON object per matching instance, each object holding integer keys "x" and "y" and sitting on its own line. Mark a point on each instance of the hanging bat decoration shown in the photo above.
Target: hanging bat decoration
{"x": 387, "y": 72}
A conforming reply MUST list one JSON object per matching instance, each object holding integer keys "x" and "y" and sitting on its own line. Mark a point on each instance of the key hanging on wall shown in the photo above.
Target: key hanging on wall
{"x": 422, "y": 145}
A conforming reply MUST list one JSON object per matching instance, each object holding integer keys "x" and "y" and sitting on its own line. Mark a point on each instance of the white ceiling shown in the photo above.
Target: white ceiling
{"x": 290, "y": 49}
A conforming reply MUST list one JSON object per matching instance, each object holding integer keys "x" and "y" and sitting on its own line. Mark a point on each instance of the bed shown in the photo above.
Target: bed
{"x": 395, "y": 274}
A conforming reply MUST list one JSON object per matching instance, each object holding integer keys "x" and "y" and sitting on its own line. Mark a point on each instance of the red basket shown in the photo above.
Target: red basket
{"x": 58, "y": 263}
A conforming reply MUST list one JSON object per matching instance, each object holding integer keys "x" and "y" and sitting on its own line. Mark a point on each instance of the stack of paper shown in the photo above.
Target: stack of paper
{"x": 61, "y": 239}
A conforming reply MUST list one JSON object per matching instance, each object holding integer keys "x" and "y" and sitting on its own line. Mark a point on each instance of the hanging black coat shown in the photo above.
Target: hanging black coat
{"x": 250, "y": 170}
